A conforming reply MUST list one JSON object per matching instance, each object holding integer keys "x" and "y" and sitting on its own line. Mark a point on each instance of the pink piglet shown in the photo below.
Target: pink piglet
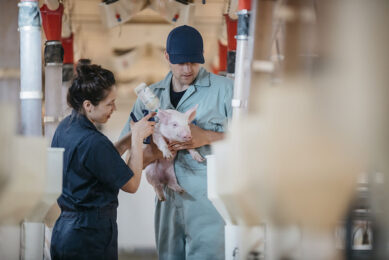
{"x": 173, "y": 126}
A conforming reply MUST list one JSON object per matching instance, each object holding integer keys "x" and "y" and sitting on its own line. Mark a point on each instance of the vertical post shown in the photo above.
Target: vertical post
{"x": 67, "y": 69}
{"x": 242, "y": 65}
{"x": 30, "y": 68}
{"x": 53, "y": 87}
{"x": 232, "y": 25}
{"x": 31, "y": 104}
{"x": 262, "y": 30}
{"x": 52, "y": 23}
{"x": 32, "y": 240}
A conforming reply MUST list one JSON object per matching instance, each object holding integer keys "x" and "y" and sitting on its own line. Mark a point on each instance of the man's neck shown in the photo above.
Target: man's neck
{"x": 177, "y": 86}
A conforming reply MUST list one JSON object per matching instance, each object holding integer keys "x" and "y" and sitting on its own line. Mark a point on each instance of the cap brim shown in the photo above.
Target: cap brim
{"x": 181, "y": 58}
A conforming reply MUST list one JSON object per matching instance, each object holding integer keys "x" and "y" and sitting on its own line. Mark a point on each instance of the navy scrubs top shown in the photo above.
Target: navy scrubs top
{"x": 93, "y": 171}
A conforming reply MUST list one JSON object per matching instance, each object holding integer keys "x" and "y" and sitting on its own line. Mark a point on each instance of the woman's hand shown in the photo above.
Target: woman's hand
{"x": 143, "y": 128}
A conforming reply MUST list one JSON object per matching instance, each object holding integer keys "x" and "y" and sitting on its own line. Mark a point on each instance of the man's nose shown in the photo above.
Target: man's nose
{"x": 187, "y": 67}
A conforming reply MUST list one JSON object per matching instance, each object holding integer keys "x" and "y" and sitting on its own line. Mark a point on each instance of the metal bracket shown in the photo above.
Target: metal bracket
{"x": 29, "y": 28}
{"x": 263, "y": 66}
{"x": 54, "y": 64}
{"x": 52, "y": 119}
{"x": 31, "y": 95}
{"x": 242, "y": 37}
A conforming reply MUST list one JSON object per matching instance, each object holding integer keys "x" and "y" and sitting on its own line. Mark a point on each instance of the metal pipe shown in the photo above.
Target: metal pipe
{"x": 30, "y": 68}
{"x": 68, "y": 68}
{"x": 231, "y": 45}
{"x": 31, "y": 100}
{"x": 67, "y": 75}
{"x": 53, "y": 101}
{"x": 242, "y": 66}
{"x": 53, "y": 87}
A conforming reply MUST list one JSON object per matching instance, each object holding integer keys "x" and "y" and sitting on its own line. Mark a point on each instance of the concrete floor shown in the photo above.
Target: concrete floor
{"x": 138, "y": 255}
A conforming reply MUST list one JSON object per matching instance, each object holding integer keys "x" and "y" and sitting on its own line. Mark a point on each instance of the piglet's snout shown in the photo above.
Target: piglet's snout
{"x": 186, "y": 136}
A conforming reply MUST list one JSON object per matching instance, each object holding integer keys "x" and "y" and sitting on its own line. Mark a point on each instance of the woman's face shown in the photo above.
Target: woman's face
{"x": 102, "y": 112}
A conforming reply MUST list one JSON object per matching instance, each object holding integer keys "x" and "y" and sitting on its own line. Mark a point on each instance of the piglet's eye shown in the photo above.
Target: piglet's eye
{"x": 174, "y": 124}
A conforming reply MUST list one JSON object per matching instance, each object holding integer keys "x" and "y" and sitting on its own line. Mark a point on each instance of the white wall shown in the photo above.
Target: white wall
{"x": 136, "y": 211}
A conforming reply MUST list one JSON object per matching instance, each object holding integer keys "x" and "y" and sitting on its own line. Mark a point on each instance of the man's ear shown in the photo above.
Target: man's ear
{"x": 167, "y": 56}
{"x": 87, "y": 105}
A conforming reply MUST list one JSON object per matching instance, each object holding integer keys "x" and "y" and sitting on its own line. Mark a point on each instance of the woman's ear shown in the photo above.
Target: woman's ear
{"x": 87, "y": 105}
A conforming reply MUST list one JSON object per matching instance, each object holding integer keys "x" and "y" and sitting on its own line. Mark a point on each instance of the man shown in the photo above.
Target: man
{"x": 188, "y": 226}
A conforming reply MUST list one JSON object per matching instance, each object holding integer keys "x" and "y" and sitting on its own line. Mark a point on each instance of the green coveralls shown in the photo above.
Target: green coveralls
{"x": 188, "y": 226}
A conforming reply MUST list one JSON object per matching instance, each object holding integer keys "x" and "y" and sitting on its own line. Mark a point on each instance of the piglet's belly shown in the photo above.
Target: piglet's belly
{"x": 162, "y": 171}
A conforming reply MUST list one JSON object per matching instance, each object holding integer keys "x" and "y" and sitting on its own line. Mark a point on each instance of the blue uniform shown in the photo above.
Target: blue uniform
{"x": 93, "y": 173}
{"x": 188, "y": 226}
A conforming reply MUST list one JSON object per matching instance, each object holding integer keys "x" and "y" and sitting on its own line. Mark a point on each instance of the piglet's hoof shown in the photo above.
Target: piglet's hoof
{"x": 199, "y": 158}
{"x": 162, "y": 199}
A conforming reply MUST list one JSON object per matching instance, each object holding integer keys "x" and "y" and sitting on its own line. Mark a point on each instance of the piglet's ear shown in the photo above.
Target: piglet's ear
{"x": 191, "y": 113}
{"x": 163, "y": 116}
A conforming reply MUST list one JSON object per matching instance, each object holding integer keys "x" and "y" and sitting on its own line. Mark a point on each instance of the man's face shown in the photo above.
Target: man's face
{"x": 184, "y": 73}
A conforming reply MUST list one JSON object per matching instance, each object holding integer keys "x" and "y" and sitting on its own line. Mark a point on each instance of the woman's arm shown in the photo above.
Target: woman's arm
{"x": 140, "y": 130}
{"x": 135, "y": 162}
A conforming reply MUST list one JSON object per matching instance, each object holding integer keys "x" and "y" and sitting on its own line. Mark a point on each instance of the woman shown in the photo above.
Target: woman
{"x": 93, "y": 171}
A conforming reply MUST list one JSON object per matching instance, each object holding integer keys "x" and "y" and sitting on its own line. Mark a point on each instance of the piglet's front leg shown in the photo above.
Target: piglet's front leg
{"x": 162, "y": 145}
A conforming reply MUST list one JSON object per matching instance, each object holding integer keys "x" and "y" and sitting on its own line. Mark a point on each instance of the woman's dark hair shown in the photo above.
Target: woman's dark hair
{"x": 92, "y": 83}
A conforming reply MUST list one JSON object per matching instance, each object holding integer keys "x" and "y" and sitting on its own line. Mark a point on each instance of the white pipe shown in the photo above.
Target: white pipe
{"x": 53, "y": 100}
{"x": 241, "y": 88}
{"x": 64, "y": 89}
{"x": 242, "y": 67}
{"x": 30, "y": 68}
{"x": 32, "y": 240}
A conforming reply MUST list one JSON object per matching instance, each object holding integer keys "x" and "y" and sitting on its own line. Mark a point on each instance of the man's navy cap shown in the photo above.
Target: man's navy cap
{"x": 185, "y": 44}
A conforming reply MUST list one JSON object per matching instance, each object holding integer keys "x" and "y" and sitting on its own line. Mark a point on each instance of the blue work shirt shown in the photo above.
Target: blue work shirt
{"x": 212, "y": 94}
{"x": 93, "y": 171}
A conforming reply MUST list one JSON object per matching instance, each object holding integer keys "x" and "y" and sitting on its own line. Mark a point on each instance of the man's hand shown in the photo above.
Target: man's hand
{"x": 200, "y": 137}
{"x": 151, "y": 153}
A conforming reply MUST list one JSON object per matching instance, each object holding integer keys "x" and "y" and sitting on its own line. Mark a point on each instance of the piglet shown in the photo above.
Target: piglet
{"x": 172, "y": 126}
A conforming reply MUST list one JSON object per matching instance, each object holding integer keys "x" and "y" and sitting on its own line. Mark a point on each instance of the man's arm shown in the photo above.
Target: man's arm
{"x": 151, "y": 153}
{"x": 135, "y": 161}
{"x": 200, "y": 137}
{"x": 123, "y": 144}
